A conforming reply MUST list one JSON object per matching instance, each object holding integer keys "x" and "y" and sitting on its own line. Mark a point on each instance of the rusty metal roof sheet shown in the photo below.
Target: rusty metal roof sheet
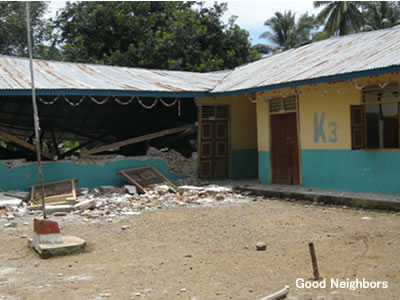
{"x": 14, "y": 74}
{"x": 347, "y": 54}
{"x": 342, "y": 55}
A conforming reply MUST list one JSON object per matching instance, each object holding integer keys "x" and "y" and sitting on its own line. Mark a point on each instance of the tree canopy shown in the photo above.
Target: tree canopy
{"x": 13, "y": 37}
{"x": 285, "y": 32}
{"x": 163, "y": 35}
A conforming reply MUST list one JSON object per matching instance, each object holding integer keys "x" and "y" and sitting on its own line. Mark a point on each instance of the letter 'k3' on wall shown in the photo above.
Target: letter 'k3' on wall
{"x": 319, "y": 133}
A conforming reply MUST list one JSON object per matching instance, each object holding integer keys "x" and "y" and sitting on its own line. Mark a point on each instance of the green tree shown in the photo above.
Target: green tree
{"x": 380, "y": 14}
{"x": 339, "y": 17}
{"x": 13, "y": 38}
{"x": 163, "y": 35}
{"x": 285, "y": 33}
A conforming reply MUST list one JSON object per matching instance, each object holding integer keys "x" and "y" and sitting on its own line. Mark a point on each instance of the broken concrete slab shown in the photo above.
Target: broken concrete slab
{"x": 87, "y": 204}
{"x": 8, "y": 201}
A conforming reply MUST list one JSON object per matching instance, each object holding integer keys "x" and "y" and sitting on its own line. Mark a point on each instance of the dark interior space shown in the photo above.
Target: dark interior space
{"x": 88, "y": 124}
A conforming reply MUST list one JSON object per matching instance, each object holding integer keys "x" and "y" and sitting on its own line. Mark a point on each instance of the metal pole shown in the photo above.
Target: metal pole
{"x": 35, "y": 109}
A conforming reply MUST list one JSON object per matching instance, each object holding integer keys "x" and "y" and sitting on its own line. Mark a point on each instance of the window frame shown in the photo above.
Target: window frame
{"x": 356, "y": 127}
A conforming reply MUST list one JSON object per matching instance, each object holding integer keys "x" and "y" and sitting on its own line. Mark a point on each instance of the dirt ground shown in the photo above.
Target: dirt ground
{"x": 209, "y": 253}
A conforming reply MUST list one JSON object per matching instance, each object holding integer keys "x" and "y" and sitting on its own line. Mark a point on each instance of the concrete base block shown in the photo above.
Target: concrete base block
{"x": 68, "y": 245}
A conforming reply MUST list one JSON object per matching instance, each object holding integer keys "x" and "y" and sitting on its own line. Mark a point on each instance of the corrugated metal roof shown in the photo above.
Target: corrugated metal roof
{"x": 342, "y": 55}
{"x": 347, "y": 54}
{"x": 14, "y": 74}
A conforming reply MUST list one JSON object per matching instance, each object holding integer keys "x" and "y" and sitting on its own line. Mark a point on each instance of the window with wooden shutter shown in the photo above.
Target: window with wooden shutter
{"x": 357, "y": 127}
{"x": 379, "y": 127}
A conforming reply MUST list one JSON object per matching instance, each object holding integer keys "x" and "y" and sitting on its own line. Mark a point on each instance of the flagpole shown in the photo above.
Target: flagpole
{"x": 35, "y": 109}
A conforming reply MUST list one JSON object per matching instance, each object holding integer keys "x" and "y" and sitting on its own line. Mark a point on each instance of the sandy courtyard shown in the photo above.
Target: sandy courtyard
{"x": 208, "y": 253}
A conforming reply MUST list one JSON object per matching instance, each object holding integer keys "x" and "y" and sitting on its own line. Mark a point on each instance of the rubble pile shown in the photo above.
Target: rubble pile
{"x": 177, "y": 163}
{"x": 109, "y": 202}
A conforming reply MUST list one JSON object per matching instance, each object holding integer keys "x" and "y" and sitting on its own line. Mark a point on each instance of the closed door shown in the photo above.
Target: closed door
{"x": 284, "y": 149}
{"x": 214, "y": 149}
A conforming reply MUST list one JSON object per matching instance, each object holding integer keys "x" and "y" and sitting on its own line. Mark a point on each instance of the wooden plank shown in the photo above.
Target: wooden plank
{"x": 136, "y": 140}
{"x": 26, "y": 145}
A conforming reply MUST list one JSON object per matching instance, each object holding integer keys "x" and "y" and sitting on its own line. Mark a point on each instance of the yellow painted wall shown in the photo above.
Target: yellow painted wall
{"x": 325, "y": 119}
{"x": 319, "y": 105}
{"x": 243, "y": 125}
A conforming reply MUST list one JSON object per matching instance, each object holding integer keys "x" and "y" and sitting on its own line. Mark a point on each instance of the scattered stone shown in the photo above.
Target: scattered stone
{"x": 10, "y": 225}
{"x": 104, "y": 295}
{"x": 183, "y": 290}
{"x": 10, "y": 217}
{"x": 37, "y": 264}
{"x": 366, "y": 218}
{"x": 24, "y": 236}
{"x": 125, "y": 227}
{"x": 188, "y": 255}
{"x": 261, "y": 246}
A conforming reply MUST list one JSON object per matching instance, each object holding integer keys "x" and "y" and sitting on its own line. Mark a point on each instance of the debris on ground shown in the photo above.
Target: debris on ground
{"x": 110, "y": 202}
{"x": 176, "y": 162}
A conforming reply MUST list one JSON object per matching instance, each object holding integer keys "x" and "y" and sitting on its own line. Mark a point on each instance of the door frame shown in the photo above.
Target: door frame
{"x": 297, "y": 111}
{"x": 229, "y": 148}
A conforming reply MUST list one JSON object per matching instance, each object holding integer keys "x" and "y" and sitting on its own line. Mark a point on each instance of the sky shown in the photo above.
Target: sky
{"x": 251, "y": 13}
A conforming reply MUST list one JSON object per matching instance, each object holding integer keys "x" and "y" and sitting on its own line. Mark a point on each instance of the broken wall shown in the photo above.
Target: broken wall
{"x": 90, "y": 175}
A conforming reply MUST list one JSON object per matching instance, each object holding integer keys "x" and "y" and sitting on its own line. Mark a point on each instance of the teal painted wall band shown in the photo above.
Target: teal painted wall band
{"x": 264, "y": 167}
{"x": 244, "y": 164}
{"x": 351, "y": 170}
{"x": 89, "y": 175}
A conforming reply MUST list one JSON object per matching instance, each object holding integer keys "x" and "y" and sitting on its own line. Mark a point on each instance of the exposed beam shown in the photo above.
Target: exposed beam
{"x": 80, "y": 146}
{"x": 136, "y": 140}
{"x": 24, "y": 144}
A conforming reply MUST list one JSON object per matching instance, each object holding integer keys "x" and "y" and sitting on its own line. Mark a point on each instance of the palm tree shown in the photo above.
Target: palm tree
{"x": 340, "y": 17}
{"x": 285, "y": 32}
{"x": 379, "y": 15}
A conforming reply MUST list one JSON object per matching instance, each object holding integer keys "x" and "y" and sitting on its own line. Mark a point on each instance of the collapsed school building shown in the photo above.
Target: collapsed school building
{"x": 323, "y": 115}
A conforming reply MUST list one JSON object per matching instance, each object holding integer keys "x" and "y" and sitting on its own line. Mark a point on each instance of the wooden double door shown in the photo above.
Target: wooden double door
{"x": 214, "y": 147}
{"x": 284, "y": 149}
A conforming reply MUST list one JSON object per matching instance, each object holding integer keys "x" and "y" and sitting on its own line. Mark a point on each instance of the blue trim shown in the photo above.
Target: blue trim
{"x": 264, "y": 167}
{"x": 120, "y": 93}
{"x": 351, "y": 170}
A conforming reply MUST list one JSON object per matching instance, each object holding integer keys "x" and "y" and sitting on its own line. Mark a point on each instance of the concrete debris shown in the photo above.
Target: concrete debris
{"x": 110, "y": 202}
{"x": 131, "y": 189}
{"x": 12, "y": 163}
{"x": 18, "y": 194}
{"x": 6, "y": 200}
{"x": 177, "y": 163}
{"x": 86, "y": 204}
{"x": 10, "y": 225}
